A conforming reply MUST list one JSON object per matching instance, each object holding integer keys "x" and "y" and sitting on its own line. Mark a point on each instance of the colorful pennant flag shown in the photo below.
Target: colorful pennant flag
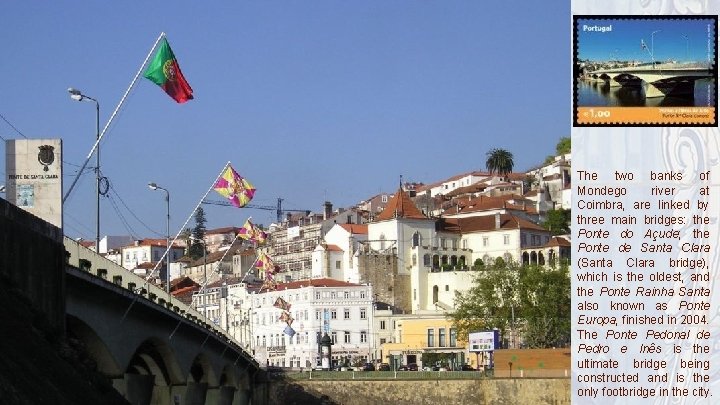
{"x": 265, "y": 263}
{"x": 282, "y": 304}
{"x": 234, "y": 187}
{"x": 289, "y": 331}
{"x": 252, "y": 233}
{"x": 287, "y": 318}
{"x": 164, "y": 71}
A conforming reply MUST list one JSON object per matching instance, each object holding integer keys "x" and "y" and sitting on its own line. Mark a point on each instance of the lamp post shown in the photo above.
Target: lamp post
{"x": 201, "y": 240}
{"x": 652, "y": 46}
{"x": 77, "y": 95}
{"x": 154, "y": 187}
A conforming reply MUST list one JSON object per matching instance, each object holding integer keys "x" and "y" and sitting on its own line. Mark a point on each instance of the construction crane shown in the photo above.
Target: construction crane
{"x": 279, "y": 211}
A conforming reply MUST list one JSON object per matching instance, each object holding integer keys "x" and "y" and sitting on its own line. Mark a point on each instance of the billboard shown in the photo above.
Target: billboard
{"x": 485, "y": 341}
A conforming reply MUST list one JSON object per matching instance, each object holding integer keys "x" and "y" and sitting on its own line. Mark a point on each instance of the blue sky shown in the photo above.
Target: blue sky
{"x": 624, "y": 41}
{"x": 311, "y": 101}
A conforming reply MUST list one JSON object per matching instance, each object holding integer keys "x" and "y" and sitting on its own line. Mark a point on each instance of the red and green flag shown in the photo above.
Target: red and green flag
{"x": 164, "y": 71}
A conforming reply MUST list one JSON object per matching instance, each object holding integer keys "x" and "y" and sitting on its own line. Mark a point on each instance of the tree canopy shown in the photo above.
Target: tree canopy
{"x": 534, "y": 301}
{"x": 499, "y": 161}
{"x": 558, "y": 221}
{"x": 197, "y": 249}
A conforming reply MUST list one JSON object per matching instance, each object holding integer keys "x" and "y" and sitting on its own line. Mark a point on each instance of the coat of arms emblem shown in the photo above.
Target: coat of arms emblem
{"x": 46, "y": 156}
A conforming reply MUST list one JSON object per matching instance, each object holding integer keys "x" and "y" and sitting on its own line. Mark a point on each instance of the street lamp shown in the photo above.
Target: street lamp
{"x": 652, "y": 46}
{"x": 77, "y": 95}
{"x": 154, "y": 187}
{"x": 201, "y": 240}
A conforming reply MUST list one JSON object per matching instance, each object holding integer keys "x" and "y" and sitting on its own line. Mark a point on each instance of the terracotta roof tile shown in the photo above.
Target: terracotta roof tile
{"x": 356, "y": 228}
{"x": 557, "y": 241}
{"x": 487, "y": 223}
{"x": 317, "y": 282}
{"x": 227, "y": 229}
{"x": 400, "y": 206}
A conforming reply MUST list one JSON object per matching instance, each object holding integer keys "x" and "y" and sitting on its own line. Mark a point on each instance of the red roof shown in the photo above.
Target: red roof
{"x": 317, "y": 282}
{"x": 355, "y": 228}
{"x": 487, "y": 223}
{"x": 228, "y": 229}
{"x": 557, "y": 241}
{"x": 400, "y": 206}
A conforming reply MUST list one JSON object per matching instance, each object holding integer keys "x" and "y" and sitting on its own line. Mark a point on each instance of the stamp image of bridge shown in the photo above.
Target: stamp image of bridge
{"x": 649, "y": 70}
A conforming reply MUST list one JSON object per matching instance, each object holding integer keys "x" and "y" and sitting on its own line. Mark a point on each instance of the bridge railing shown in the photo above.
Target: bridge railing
{"x": 99, "y": 266}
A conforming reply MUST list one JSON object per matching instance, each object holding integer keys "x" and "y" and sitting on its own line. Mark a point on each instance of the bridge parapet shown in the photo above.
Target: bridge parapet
{"x": 99, "y": 266}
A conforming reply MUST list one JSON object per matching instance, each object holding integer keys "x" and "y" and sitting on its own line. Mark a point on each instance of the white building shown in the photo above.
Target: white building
{"x": 335, "y": 257}
{"x": 343, "y": 310}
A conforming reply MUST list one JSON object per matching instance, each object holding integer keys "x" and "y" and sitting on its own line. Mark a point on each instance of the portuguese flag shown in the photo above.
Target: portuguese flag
{"x": 165, "y": 72}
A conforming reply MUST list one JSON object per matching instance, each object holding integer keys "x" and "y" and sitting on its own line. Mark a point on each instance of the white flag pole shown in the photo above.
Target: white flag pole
{"x": 112, "y": 116}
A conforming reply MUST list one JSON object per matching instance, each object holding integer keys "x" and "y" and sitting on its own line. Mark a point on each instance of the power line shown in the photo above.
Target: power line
{"x": 131, "y": 211}
{"x": 12, "y": 126}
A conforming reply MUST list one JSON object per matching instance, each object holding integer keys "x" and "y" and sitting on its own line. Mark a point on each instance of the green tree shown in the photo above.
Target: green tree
{"x": 563, "y": 146}
{"x": 197, "y": 249}
{"x": 532, "y": 301}
{"x": 499, "y": 161}
{"x": 558, "y": 221}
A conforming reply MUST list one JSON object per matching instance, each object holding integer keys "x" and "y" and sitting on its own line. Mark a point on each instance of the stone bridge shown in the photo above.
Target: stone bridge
{"x": 660, "y": 81}
{"x": 154, "y": 348}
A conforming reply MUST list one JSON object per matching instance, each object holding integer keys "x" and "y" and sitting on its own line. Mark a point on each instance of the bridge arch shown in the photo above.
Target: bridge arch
{"x": 155, "y": 357}
{"x": 94, "y": 345}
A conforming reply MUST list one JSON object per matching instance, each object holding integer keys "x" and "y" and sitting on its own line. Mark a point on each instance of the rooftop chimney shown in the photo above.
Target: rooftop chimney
{"x": 497, "y": 220}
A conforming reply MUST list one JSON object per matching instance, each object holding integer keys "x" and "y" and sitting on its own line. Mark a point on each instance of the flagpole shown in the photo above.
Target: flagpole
{"x": 112, "y": 116}
{"x": 152, "y": 273}
{"x": 167, "y": 250}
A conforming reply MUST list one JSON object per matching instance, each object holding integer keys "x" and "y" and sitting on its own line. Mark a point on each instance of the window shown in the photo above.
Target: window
{"x": 485, "y": 241}
{"x": 414, "y": 259}
{"x": 334, "y": 337}
{"x": 363, "y": 337}
{"x": 426, "y": 260}
{"x": 347, "y": 337}
{"x": 337, "y": 264}
{"x": 453, "y": 337}
{"x": 383, "y": 341}
{"x": 443, "y": 243}
{"x": 441, "y": 337}
{"x": 333, "y": 294}
{"x": 362, "y": 294}
{"x": 523, "y": 239}
{"x": 333, "y": 314}
{"x": 384, "y": 198}
{"x": 317, "y": 295}
{"x": 363, "y": 313}
{"x": 317, "y": 315}
{"x": 264, "y": 342}
{"x": 346, "y": 313}
{"x": 447, "y": 287}
{"x": 454, "y": 243}
{"x": 382, "y": 325}
{"x": 431, "y": 338}
{"x": 156, "y": 255}
{"x": 346, "y": 294}
{"x": 506, "y": 239}
{"x": 464, "y": 244}
{"x": 414, "y": 294}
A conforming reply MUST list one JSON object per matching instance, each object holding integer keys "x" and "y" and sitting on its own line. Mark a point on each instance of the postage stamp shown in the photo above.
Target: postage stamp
{"x": 645, "y": 70}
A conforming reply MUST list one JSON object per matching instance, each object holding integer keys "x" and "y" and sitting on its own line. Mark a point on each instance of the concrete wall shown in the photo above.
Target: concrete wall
{"x": 33, "y": 257}
{"x": 417, "y": 392}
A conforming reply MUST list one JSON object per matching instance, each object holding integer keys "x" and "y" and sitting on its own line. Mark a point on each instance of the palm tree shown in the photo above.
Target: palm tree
{"x": 499, "y": 161}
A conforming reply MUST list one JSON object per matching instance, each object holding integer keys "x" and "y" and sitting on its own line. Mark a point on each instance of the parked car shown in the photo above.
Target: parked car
{"x": 412, "y": 367}
{"x": 383, "y": 367}
{"x": 467, "y": 367}
{"x": 368, "y": 367}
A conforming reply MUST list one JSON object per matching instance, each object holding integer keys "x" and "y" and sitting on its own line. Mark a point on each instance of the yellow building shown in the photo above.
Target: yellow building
{"x": 435, "y": 338}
